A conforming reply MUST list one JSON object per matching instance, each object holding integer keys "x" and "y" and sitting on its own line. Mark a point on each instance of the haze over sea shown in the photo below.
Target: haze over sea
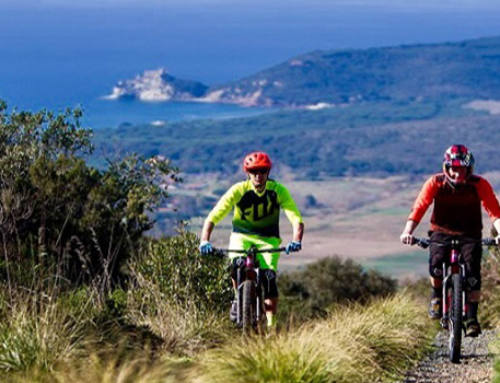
{"x": 56, "y": 54}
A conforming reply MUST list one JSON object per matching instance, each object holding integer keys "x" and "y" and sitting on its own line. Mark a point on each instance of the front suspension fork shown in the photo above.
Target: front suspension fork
{"x": 446, "y": 299}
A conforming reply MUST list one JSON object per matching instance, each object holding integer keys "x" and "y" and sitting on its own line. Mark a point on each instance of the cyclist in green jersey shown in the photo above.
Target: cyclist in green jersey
{"x": 256, "y": 203}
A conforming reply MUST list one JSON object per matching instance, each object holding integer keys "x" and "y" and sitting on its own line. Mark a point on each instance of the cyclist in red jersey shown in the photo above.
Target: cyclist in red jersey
{"x": 457, "y": 195}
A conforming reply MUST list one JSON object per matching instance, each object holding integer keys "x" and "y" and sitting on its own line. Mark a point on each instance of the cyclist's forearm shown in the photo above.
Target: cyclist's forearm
{"x": 496, "y": 225}
{"x": 298, "y": 231}
{"x": 206, "y": 232}
{"x": 410, "y": 226}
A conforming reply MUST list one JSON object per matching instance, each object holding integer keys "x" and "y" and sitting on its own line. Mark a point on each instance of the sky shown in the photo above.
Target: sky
{"x": 399, "y": 4}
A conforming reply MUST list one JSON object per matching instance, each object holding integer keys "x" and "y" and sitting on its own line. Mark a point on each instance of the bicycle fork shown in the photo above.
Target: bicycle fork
{"x": 248, "y": 272}
{"x": 455, "y": 267}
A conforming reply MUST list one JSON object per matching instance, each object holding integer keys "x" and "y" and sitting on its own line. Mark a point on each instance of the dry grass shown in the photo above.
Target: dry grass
{"x": 93, "y": 369}
{"x": 354, "y": 344}
{"x": 184, "y": 328}
{"x": 38, "y": 331}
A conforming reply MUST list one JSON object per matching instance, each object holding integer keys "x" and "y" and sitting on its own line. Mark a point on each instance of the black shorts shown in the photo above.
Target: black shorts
{"x": 267, "y": 278}
{"x": 471, "y": 254}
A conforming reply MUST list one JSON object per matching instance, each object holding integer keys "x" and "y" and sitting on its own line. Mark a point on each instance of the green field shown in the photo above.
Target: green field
{"x": 400, "y": 265}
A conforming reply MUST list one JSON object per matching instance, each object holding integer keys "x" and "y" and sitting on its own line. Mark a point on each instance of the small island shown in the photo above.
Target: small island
{"x": 158, "y": 85}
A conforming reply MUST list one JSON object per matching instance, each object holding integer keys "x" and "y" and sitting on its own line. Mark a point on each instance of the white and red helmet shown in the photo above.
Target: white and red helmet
{"x": 458, "y": 156}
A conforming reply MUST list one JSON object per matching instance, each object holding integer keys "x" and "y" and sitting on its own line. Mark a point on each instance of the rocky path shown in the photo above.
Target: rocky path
{"x": 475, "y": 366}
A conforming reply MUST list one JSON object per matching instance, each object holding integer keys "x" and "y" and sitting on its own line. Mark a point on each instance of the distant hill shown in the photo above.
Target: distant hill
{"x": 467, "y": 69}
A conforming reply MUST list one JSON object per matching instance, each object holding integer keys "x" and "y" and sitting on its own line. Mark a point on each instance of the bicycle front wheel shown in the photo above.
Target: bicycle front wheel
{"x": 248, "y": 306}
{"x": 456, "y": 324}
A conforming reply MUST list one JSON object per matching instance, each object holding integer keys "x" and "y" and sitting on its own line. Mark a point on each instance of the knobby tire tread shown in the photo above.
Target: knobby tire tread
{"x": 456, "y": 319}
{"x": 248, "y": 307}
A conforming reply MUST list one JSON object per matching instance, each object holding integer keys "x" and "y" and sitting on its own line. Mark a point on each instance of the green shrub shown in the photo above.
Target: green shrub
{"x": 175, "y": 267}
{"x": 58, "y": 212}
{"x": 178, "y": 295}
{"x": 329, "y": 281}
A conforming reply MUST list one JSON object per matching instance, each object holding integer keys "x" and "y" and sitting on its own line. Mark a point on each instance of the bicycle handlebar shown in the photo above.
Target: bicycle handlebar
{"x": 248, "y": 251}
{"x": 425, "y": 242}
{"x": 422, "y": 242}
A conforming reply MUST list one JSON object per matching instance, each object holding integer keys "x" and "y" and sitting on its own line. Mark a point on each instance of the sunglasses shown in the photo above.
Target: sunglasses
{"x": 258, "y": 171}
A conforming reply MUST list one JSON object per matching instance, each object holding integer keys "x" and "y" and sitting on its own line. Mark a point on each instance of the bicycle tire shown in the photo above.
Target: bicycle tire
{"x": 248, "y": 307}
{"x": 261, "y": 324}
{"x": 456, "y": 324}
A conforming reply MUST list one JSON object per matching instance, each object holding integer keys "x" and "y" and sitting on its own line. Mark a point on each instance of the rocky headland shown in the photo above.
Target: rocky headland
{"x": 158, "y": 85}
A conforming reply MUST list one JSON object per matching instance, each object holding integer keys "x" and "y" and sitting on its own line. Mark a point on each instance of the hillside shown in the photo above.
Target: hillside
{"x": 468, "y": 69}
{"x": 370, "y": 138}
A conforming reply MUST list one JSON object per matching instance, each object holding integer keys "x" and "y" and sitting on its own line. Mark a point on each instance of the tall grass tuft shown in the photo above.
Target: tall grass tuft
{"x": 184, "y": 328}
{"x": 494, "y": 348}
{"x": 95, "y": 369}
{"x": 353, "y": 344}
{"x": 37, "y": 331}
{"x": 489, "y": 308}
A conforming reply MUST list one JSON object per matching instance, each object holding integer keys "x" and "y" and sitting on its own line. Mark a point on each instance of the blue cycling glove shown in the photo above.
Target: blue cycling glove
{"x": 206, "y": 248}
{"x": 293, "y": 247}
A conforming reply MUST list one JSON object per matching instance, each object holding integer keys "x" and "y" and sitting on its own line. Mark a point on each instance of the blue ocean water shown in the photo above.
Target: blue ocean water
{"x": 100, "y": 114}
{"x": 55, "y": 54}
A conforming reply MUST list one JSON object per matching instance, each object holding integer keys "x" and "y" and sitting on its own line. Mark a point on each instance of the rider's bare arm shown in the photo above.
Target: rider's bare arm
{"x": 206, "y": 232}
{"x": 407, "y": 234}
{"x": 496, "y": 225}
{"x": 298, "y": 231}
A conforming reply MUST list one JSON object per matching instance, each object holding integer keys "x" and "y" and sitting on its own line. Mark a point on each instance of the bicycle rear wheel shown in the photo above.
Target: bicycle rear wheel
{"x": 248, "y": 307}
{"x": 456, "y": 324}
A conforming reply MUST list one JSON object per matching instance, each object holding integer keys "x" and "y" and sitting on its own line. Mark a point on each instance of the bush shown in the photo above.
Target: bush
{"x": 329, "y": 281}
{"x": 182, "y": 276}
{"x": 179, "y": 295}
{"x": 58, "y": 212}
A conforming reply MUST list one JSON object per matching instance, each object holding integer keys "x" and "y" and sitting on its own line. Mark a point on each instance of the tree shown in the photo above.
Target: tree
{"x": 57, "y": 211}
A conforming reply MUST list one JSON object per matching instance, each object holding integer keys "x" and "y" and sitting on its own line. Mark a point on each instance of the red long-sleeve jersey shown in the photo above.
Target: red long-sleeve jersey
{"x": 457, "y": 210}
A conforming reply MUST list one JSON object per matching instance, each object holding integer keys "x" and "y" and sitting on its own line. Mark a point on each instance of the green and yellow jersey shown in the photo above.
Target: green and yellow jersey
{"x": 256, "y": 213}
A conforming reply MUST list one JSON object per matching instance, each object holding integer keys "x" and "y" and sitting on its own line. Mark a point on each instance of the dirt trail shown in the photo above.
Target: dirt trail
{"x": 475, "y": 366}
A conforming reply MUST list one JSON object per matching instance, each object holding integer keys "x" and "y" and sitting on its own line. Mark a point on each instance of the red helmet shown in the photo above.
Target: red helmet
{"x": 460, "y": 156}
{"x": 257, "y": 160}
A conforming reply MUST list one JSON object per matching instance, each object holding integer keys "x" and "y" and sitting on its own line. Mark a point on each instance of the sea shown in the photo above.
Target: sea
{"x": 56, "y": 54}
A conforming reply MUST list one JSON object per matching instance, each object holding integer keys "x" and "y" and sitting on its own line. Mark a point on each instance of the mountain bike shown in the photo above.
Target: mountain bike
{"x": 454, "y": 296}
{"x": 250, "y": 312}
